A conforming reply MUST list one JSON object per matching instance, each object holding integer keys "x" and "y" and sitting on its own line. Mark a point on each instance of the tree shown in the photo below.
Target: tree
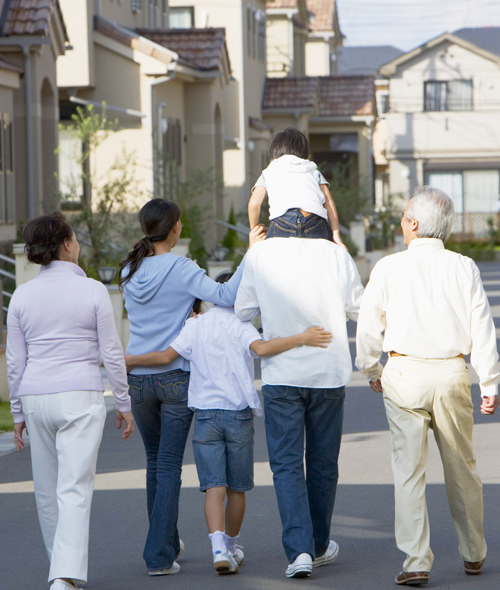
{"x": 104, "y": 205}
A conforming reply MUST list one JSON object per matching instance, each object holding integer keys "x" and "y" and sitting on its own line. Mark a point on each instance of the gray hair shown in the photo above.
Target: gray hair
{"x": 434, "y": 211}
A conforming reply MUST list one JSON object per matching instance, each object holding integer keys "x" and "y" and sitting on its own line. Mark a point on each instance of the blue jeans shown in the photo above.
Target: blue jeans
{"x": 306, "y": 506}
{"x": 294, "y": 224}
{"x": 223, "y": 449}
{"x": 159, "y": 406}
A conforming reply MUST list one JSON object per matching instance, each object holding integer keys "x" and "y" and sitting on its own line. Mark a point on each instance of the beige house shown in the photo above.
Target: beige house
{"x": 33, "y": 36}
{"x": 324, "y": 39}
{"x": 166, "y": 87}
{"x": 443, "y": 126}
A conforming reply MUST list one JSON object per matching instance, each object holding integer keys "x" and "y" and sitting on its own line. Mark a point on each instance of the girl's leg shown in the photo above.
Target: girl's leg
{"x": 235, "y": 512}
{"x": 214, "y": 509}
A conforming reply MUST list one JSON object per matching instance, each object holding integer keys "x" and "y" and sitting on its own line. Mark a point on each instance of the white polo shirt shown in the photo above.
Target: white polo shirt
{"x": 293, "y": 183}
{"x": 217, "y": 344}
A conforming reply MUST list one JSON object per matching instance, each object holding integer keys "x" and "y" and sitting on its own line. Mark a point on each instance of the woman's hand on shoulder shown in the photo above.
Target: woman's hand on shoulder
{"x": 257, "y": 234}
{"x": 129, "y": 423}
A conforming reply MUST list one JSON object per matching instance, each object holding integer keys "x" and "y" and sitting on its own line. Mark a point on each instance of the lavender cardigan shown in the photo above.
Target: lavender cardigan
{"x": 59, "y": 327}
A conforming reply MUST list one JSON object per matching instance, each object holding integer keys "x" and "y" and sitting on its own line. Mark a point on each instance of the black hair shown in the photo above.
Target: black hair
{"x": 44, "y": 237}
{"x": 222, "y": 277}
{"x": 291, "y": 142}
{"x": 157, "y": 219}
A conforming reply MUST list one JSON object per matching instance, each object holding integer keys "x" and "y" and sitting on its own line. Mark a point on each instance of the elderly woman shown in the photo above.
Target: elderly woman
{"x": 60, "y": 325}
{"x": 159, "y": 289}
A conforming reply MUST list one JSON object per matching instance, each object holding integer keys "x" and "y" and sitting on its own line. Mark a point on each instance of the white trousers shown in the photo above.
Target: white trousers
{"x": 65, "y": 431}
{"x": 432, "y": 393}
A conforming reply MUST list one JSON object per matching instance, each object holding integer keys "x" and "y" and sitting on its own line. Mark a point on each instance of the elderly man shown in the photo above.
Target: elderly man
{"x": 432, "y": 306}
{"x": 296, "y": 283}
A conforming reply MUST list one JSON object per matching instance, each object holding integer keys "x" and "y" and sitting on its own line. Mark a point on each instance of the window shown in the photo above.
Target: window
{"x": 256, "y": 33}
{"x": 181, "y": 17}
{"x": 153, "y": 20}
{"x": 6, "y": 171}
{"x": 261, "y": 34}
{"x": 472, "y": 191}
{"x": 454, "y": 95}
{"x": 382, "y": 103}
{"x": 70, "y": 173}
{"x": 136, "y": 5}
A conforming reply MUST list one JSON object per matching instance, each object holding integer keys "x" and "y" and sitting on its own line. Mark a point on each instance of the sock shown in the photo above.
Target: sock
{"x": 218, "y": 543}
{"x": 231, "y": 543}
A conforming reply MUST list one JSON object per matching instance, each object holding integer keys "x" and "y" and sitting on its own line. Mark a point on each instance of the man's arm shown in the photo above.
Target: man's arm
{"x": 484, "y": 355}
{"x": 150, "y": 359}
{"x": 247, "y": 303}
{"x": 354, "y": 290}
{"x": 371, "y": 325}
{"x": 314, "y": 336}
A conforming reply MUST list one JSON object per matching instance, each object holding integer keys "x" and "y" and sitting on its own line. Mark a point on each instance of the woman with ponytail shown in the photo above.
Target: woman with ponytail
{"x": 159, "y": 289}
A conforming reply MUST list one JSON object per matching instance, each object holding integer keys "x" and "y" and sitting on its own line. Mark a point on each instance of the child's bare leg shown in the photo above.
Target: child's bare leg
{"x": 235, "y": 512}
{"x": 214, "y": 508}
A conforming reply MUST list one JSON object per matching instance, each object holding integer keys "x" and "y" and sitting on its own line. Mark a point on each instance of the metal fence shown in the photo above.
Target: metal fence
{"x": 475, "y": 224}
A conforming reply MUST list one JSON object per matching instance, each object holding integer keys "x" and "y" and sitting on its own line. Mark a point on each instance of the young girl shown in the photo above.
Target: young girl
{"x": 221, "y": 348}
{"x": 300, "y": 204}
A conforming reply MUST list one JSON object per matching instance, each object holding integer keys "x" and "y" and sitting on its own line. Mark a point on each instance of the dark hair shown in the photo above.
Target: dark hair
{"x": 157, "y": 219}
{"x": 44, "y": 237}
{"x": 291, "y": 142}
{"x": 222, "y": 277}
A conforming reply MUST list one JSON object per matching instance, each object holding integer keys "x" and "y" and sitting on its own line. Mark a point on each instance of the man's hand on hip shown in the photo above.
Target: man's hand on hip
{"x": 376, "y": 386}
{"x": 489, "y": 405}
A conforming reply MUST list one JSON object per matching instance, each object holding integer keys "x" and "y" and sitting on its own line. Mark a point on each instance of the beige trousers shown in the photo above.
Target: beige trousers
{"x": 432, "y": 393}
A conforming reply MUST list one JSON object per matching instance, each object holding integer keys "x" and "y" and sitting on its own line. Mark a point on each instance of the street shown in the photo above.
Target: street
{"x": 362, "y": 524}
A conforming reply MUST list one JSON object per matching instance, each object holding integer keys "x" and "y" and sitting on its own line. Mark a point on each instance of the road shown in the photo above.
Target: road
{"x": 362, "y": 523}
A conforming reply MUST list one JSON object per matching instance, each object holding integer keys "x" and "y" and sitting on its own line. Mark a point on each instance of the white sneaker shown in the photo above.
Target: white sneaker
{"x": 239, "y": 556}
{"x": 301, "y": 567}
{"x": 62, "y": 585}
{"x": 329, "y": 556}
{"x": 175, "y": 569}
{"x": 225, "y": 563}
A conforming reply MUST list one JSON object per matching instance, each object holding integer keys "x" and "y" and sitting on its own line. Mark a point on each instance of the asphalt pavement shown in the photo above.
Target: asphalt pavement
{"x": 362, "y": 524}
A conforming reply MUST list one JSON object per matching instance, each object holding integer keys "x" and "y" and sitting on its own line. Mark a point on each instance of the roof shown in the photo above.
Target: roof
{"x": 203, "y": 48}
{"x": 29, "y": 17}
{"x": 365, "y": 60}
{"x": 331, "y": 96}
{"x": 487, "y": 38}
{"x": 290, "y": 92}
{"x": 8, "y": 65}
{"x": 321, "y": 14}
{"x": 389, "y": 69}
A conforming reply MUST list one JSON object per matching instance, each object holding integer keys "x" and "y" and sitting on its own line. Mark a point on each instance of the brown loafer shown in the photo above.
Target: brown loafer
{"x": 474, "y": 568}
{"x": 412, "y": 578}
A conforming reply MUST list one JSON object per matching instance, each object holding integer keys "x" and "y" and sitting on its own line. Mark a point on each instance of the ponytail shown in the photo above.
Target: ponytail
{"x": 157, "y": 218}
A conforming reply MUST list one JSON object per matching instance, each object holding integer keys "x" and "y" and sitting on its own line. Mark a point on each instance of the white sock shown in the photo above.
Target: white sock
{"x": 218, "y": 543}
{"x": 231, "y": 543}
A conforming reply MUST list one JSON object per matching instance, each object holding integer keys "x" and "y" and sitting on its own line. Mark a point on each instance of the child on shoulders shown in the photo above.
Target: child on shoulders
{"x": 221, "y": 349}
{"x": 300, "y": 203}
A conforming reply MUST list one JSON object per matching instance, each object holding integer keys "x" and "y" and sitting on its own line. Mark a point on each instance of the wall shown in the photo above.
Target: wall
{"x": 318, "y": 60}
{"x": 279, "y": 30}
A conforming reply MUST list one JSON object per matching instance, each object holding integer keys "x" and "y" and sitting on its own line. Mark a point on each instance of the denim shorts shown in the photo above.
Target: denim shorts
{"x": 294, "y": 224}
{"x": 223, "y": 449}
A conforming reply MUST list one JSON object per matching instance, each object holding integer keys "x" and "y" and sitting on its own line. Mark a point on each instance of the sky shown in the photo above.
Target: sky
{"x": 409, "y": 23}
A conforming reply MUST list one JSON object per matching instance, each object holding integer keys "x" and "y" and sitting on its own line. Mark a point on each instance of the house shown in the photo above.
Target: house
{"x": 246, "y": 136}
{"x": 366, "y": 60}
{"x": 167, "y": 88}
{"x": 443, "y": 125}
{"x": 32, "y": 37}
{"x": 336, "y": 112}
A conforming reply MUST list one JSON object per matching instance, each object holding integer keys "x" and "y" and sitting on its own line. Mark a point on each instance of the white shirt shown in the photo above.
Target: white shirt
{"x": 292, "y": 182}
{"x": 431, "y": 304}
{"x": 217, "y": 344}
{"x": 296, "y": 283}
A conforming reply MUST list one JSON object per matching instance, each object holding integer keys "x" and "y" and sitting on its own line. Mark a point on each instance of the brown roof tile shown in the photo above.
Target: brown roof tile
{"x": 346, "y": 95}
{"x": 321, "y": 14}
{"x": 335, "y": 96}
{"x": 203, "y": 48}
{"x": 28, "y": 17}
{"x": 290, "y": 92}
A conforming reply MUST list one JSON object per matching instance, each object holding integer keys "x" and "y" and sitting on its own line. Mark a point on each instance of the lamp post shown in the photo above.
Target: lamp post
{"x": 107, "y": 274}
